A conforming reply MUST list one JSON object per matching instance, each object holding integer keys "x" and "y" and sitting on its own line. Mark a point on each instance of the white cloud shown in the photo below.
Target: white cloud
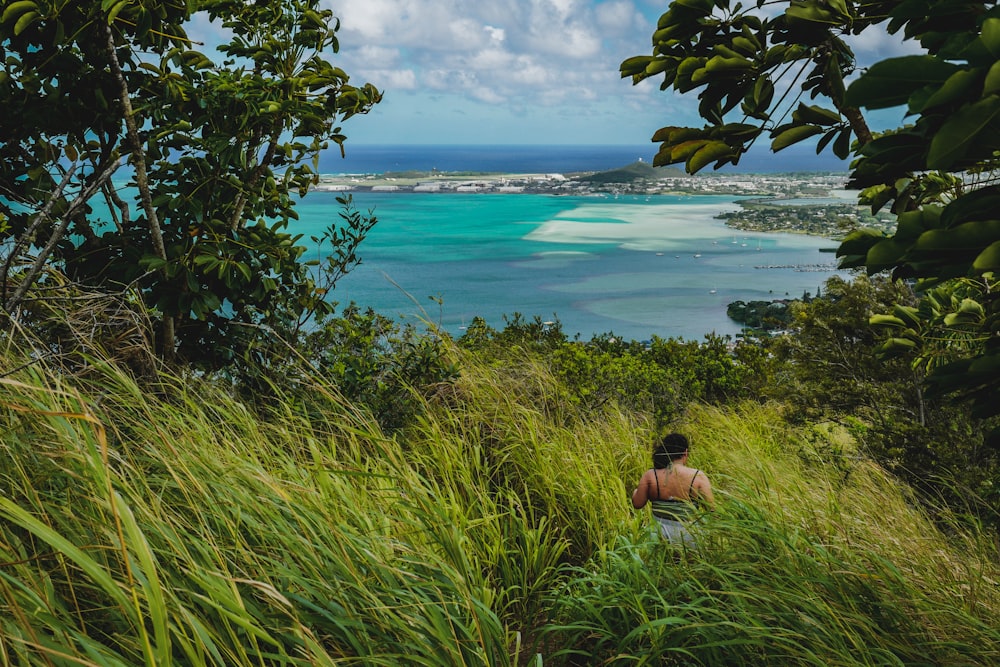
{"x": 616, "y": 16}
{"x": 496, "y": 34}
{"x": 372, "y": 19}
{"x": 873, "y": 45}
{"x": 545, "y": 51}
{"x": 396, "y": 79}
{"x": 464, "y": 65}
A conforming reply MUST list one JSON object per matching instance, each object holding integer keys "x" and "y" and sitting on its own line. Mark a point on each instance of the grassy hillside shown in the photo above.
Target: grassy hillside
{"x": 178, "y": 525}
{"x": 637, "y": 171}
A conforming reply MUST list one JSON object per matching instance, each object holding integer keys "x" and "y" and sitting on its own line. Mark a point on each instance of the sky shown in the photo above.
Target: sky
{"x": 501, "y": 71}
{"x": 512, "y": 71}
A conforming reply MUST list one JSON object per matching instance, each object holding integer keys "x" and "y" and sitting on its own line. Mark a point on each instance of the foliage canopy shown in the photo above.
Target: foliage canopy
{"x": 758, "y": 72}
{"x": 216, "y": 149}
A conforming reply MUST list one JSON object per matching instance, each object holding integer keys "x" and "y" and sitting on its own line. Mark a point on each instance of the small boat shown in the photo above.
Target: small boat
{"x": 712, "y": 291}
{"x": 698, "y": 255}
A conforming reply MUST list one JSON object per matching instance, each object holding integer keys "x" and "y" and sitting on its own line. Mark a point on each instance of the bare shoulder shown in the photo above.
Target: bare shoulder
{"x": 703, "y": 487}
{"x": 641, "y": 494}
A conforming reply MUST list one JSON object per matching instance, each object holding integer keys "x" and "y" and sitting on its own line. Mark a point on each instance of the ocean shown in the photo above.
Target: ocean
{"x": 633, "y": 266}
{"x": 534, "y": 159}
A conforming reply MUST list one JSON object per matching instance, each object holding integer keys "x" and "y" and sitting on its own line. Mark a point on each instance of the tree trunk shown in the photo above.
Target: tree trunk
{"x": 137, "y": 157}
{"x": 858, "y": 124}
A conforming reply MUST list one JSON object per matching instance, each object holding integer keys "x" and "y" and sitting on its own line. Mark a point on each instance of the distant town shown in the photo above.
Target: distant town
{"x": 769, "y": 202}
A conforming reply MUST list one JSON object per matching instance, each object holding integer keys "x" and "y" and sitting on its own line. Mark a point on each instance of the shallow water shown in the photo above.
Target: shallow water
{"x": 634, "y": 266}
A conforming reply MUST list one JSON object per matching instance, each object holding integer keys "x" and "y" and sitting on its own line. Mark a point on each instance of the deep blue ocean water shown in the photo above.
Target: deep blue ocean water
{"x": 374, "y": 159}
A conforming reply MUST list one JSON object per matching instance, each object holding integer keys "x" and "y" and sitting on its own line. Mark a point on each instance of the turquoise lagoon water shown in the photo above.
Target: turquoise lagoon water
{"x": 633, "y": 266}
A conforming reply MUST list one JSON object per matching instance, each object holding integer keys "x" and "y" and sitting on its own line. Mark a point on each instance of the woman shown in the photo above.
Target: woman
{"x": 673, "y": 489}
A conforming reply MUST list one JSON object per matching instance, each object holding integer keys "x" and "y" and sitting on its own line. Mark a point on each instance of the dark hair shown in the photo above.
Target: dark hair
{"x": 670, "y": 448}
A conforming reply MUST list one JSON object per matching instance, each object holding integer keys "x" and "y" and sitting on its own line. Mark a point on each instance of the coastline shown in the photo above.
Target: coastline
{"x": 665, "y": 181}
{"x": 811, "y": 204}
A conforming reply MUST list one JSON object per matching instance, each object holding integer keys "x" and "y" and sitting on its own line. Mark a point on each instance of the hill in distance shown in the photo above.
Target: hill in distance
{"x": 637, "y": 171}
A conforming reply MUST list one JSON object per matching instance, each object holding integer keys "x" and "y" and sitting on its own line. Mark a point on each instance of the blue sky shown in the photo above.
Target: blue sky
{"x": 511, "y": 71}
{"x": 501, "y": 71}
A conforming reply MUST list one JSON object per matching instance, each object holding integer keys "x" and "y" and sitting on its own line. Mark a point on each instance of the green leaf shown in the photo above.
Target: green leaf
{"x": 961, "y": 84}
{"x": 244, "y": 270}
{"x": 909, "y": 226}
{"x": 92, "y": 568}
{"x": 880, "y": 320}
{"x": 17, "y": 9}
{"x": 966, "y": 236}
{"x": 24, "y": 22}
{"x": 971, "y": 307}
{"x": 988, "y": 259}
{"x": 153, "y": 590}
{"x": 972, "y": 127}
{"x": 890, "y": 82}
{"x": 685, "y": 149}
{"x": 897, "y": 344}
{"x": 763, "y": 92}
{"x": 738, "y": 131}
{"x": 656, "y": 66}
{"x": 775, "y": 55}
{"x": 976, "y": 205}
{"x": 990, "y": 36}
{"x": 831, "y": 12}
{"x": 794, "y": 135}
{"x": 208, "y": 262}
{"x": 703, "y": 7}
{"x": 634, "y": 66}
{"x": 725, "y": 64}
{"x": 988, "y": 365}
{"x": 153, "y": 263}
{"x": 825, "y": 139}
{"x": 842, "y": 146}
{"x": 815, "y": 115}
{"x": 834, "y": 78}
{"x": 883, "y": 255}
{"x": 744, "y": 45}
{"x": 116, "y": 9}
{"x": 859, "y": 241}
{"x": 907, "y": 314}
{"x": 710, "y": 152}
{"x": 992, "y": 83}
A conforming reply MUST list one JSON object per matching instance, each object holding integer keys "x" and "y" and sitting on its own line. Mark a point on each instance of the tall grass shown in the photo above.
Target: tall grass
{"x": 181, "y": 528}
{"x": 812, "y": 558}
{"x": 175, "y": 524}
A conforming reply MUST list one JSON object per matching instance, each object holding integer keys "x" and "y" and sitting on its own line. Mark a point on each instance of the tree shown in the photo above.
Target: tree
{"x": 937, "y": 173}
{"x": 831, "y": 370}
{"x": 216, "y": 152}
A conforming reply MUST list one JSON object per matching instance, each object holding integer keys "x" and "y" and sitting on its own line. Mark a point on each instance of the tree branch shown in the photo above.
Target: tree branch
{"x": 79, "y": 202}
{"x": 255, "y": 177}
{"x": 28, "y": 236}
